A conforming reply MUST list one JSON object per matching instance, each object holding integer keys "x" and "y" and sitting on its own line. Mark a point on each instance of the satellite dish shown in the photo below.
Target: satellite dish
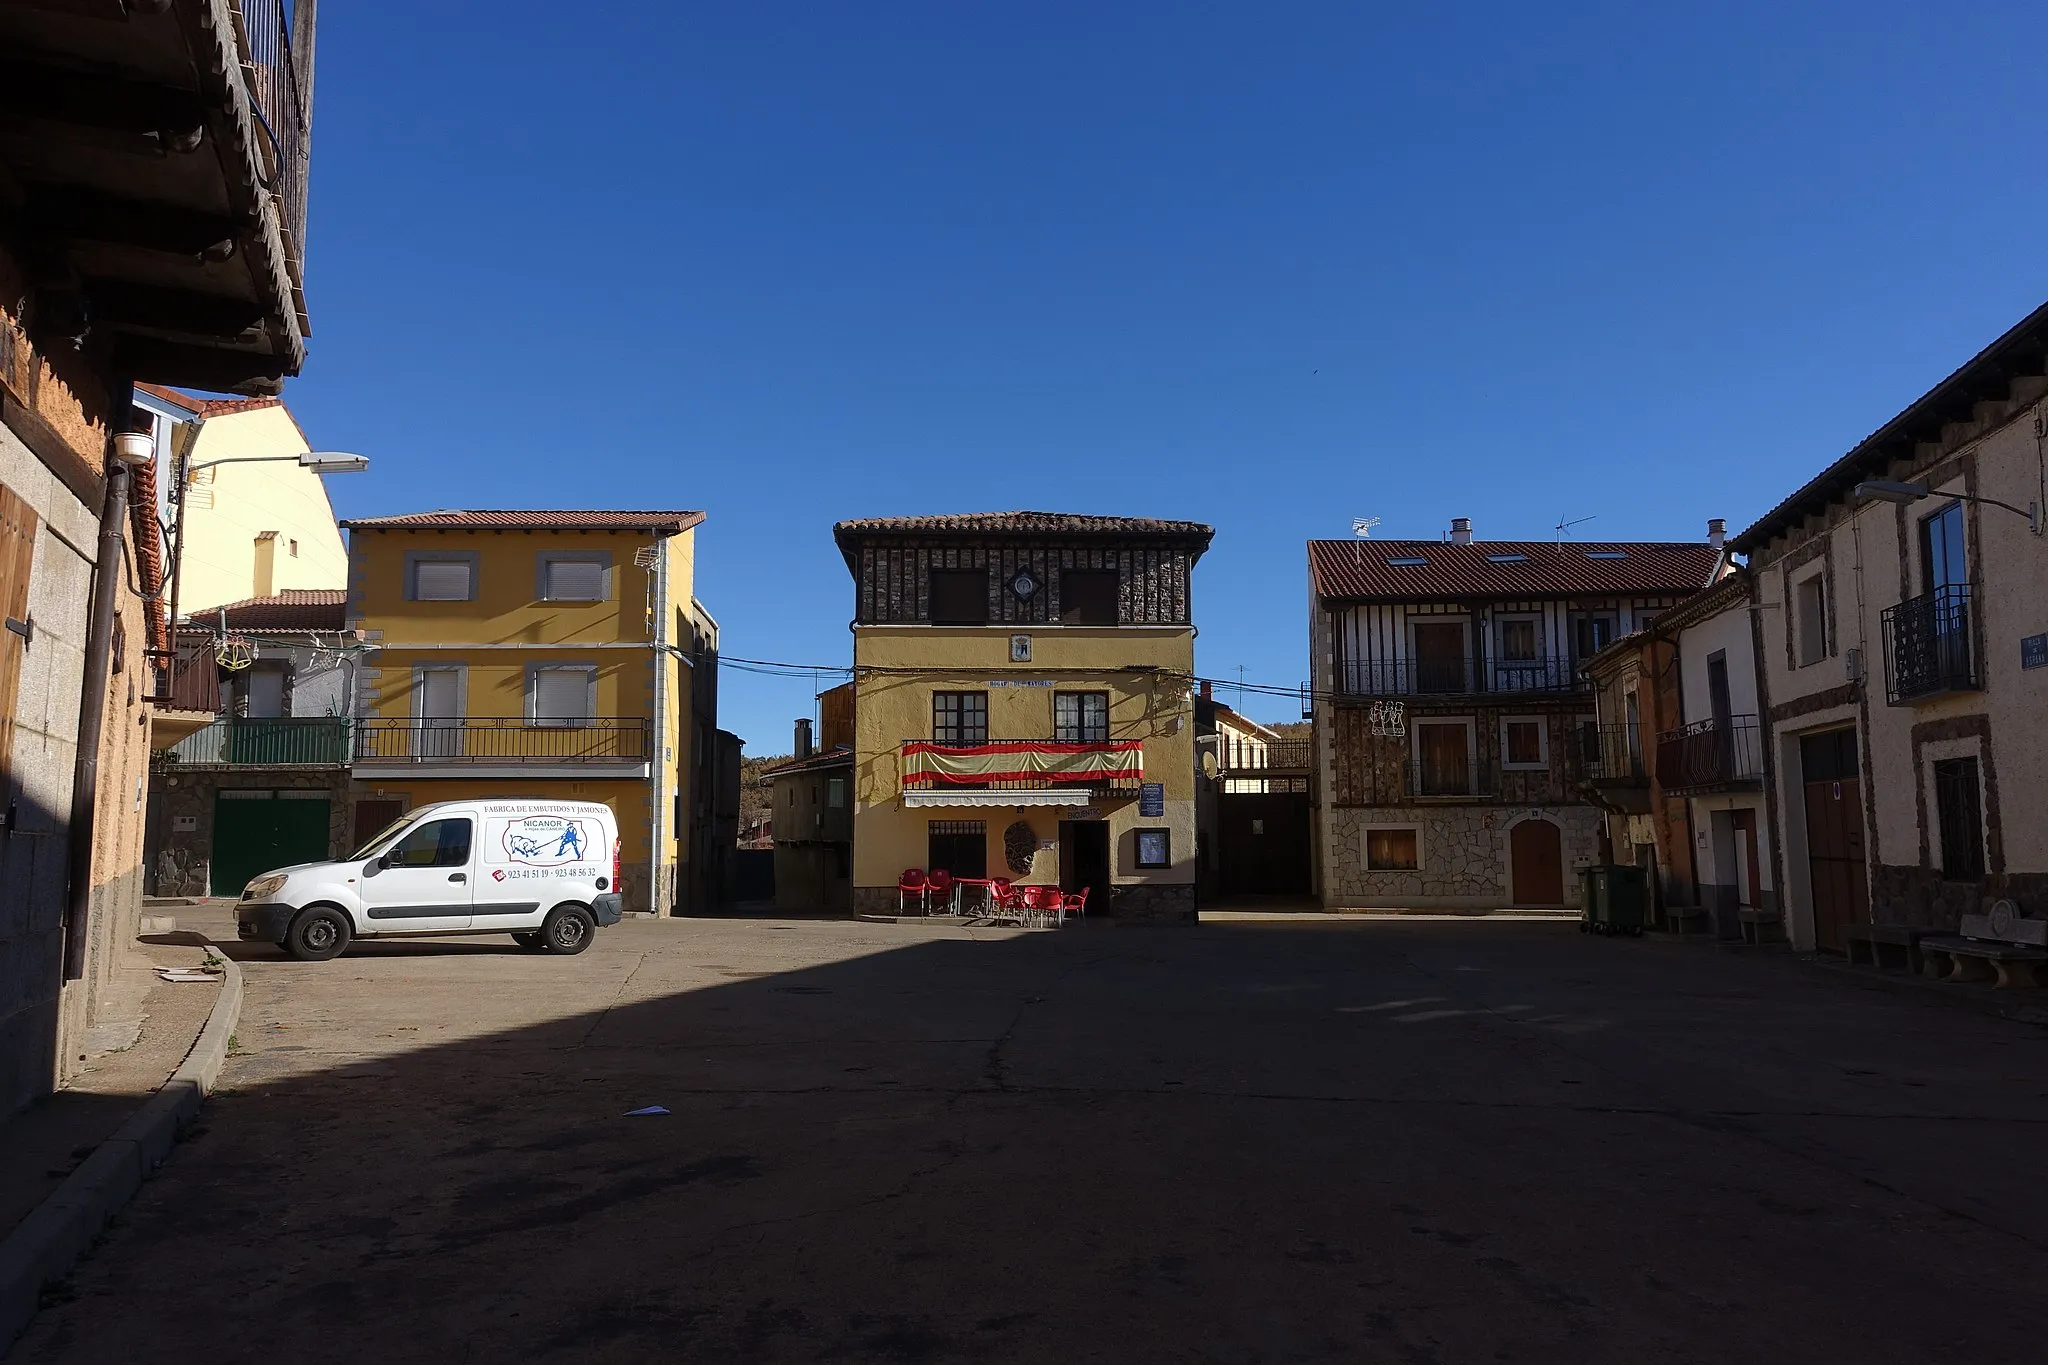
{"x": 1210, "y": 767}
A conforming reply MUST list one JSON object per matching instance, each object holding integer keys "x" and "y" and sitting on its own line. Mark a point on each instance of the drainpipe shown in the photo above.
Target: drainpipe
{"x": 658, "y": 795}
{"x": 129, "y": 450}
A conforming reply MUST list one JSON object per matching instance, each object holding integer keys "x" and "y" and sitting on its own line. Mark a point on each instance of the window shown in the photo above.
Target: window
{"x": 1080, "y": 717}
{"x": 561, "y": 694}
{"x": 292, "y": 548}
{"x": 265, "y": 693}
{"x": 1960, "y": 809}
{"x": 437, "y": 843}
{"x": 1518, "y": 640}
{"x": 1154, "y": 847}
{"x": 1393, "y": 850}
{"x": 958, "y": 846}
{"x": 1523, "y": 743}
{"x": 1809, "y": 611}
{"x": 1088, "y": 597}
{"x": 1942, "y": 563}
{"x": 835, "y": 793}
{"x": 1443, "y": 758}
{"x": 960, "y": 717}
{"x": 1593, "y": 633}
{"x": 574, "y": 577}
{"x": 440, "y": 577}
{"x": 959, "y": 597}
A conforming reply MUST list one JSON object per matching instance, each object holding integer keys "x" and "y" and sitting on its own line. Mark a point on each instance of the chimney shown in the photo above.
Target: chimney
{"x": 803, "y": 737}
{"x": 1207, "y": 693}
{"x": 1461, "y": 530}
{"x": 1717, "y": 531}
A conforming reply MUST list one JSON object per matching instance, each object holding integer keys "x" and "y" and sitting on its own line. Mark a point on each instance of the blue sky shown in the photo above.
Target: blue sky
{"x": 1269, "y": 267}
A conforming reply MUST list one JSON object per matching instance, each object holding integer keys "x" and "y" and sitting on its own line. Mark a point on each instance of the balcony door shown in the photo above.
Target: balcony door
{"x": 1445, "y": 760}
{"x": 1439, "y": 656}
{"x": 1945, "y": 576}
{"x": 439, "y": 692}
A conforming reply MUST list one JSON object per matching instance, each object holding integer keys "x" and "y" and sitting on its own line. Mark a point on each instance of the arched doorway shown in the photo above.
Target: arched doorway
{"x": 1536, "y": 859}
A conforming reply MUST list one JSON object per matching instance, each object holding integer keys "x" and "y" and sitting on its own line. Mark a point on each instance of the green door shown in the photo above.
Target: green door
{"x": 255, "y": 830}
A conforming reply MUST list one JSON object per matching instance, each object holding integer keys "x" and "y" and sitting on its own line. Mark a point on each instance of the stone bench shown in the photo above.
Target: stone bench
{"x": 1757, "y": 926}
{"x": 2004, "y": 945}
{"x": 1678, "y": 919}
{"x": 1872, "y": 944}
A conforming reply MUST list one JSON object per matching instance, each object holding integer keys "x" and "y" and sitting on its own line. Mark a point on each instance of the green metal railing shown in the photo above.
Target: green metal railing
{"x": 271, "y": 742}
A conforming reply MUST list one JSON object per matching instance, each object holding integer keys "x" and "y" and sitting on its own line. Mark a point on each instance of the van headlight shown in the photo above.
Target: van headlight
{"x": 263, "y": 886}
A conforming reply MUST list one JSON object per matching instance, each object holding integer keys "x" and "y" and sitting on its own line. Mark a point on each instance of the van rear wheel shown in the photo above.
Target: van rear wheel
{"x": 567, "y": 930}
{"x": 318, "y": 934}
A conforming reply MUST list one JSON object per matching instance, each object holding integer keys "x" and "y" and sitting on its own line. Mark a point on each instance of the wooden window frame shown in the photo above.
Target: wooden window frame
{"x": 1081, "y": 732}
{"x": 957, "y": 724}
{"x": 1365, "y": 838}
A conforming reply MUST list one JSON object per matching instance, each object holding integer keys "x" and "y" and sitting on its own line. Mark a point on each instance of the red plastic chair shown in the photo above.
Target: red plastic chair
{"x": 1075, "y": 904}
{"x": 912, "y": 883}
{"x": 940, "y": 883}
{"x": 1002, "y": 896}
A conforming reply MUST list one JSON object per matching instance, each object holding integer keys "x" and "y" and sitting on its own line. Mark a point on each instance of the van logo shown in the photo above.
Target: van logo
{"x": 546, "y": 841}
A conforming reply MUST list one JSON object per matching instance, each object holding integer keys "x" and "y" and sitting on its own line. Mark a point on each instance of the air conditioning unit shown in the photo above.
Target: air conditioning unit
{"x": 1852, "y": 660}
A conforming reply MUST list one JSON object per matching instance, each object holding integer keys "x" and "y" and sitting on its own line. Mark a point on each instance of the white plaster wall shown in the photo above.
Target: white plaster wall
{"x": 231, "y": 504}
{"x": 1730, "y": 631}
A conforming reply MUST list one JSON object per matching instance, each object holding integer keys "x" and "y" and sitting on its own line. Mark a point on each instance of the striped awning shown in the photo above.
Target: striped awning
{"x": 928, "y": 765}
{"x": 1002, "y": 796}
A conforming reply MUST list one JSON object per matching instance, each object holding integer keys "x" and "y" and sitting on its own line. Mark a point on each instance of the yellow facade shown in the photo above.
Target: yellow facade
{"x": 634, "y": 747}
{"x": 258, "y": 525}
{"x": 1145, "y": 670}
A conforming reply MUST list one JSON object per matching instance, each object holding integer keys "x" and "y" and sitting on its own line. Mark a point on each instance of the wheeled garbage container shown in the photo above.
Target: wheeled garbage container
{"x": 1616, "y": 900}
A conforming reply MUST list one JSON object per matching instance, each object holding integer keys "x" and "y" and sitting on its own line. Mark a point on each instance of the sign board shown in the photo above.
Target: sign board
{"x": 1084, "y": 813}
{"x": 1151, "y": 800}
{"x": 184, "y": 824}
{"x": 2034, "y": 651}
{"x": 1018, "y": 682}
{"x": 1020, "y": 649}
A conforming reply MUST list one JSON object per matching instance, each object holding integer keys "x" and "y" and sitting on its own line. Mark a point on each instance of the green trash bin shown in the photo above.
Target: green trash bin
{"x": 1616, "y": 900}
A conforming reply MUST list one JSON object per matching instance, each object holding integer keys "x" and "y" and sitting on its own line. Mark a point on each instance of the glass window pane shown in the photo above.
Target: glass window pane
{"x": 1390, "y": 850}
{"x": 437, "y": 843}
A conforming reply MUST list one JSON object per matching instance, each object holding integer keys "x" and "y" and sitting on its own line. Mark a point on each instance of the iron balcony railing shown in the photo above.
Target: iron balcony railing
{"x": 1021, "y": 764}
{"x": 1711, "y": 753}
{"x": 277, "y": 90}
{"x": 495, "y": 739}
{"x": 1927, "y": 647}
{"x": 1471, "y": 675}
{"x": 1610, "y": 753}
{"x": 1285, "y": 755}
{"x": 281, "y": 742}
{"x": 1485, "y": 779}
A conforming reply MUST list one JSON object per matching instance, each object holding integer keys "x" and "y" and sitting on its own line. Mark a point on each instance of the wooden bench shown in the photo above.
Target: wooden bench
{"x": 1869, "y": 943}
{"x": 2001, "y": 946}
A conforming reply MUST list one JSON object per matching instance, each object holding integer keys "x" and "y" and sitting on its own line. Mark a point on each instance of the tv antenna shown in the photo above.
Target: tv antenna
{"x": 1362, "y": 527}
{"x": 1564, "y": 528}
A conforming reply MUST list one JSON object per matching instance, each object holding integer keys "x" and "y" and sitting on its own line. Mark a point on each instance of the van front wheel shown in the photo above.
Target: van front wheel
{"x": 318, "y": 934}
{"x": 567, "y": 930}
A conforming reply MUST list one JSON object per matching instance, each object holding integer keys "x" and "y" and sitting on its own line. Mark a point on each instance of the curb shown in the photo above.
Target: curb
{"x": 46, "y": 1244}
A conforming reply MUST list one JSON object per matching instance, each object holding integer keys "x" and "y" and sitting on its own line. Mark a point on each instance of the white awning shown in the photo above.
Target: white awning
{"x": 981, "y": 796}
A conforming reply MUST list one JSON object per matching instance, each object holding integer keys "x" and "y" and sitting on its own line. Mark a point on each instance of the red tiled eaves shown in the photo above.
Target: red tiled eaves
{"x": 546, "y": 519}
{"x": 1369, "y": 569}
{"x": 208, "y": 407}
{"x": 292, "y": 609}
{"x": 1024, "y": 523}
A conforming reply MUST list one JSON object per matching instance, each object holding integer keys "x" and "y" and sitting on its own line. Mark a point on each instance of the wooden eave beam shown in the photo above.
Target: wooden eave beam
{"x": 48, "y": 92}
{"x": 66, "y": 214}
{"x": 195, "y": 366}
{"x": 119, "y": 304}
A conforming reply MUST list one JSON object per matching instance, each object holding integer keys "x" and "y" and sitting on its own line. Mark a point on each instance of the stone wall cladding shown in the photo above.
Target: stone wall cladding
{"x": 1464, "y": 854}
{"x": 1918, "y": 897}
{"x": 1149, "y": 904}
{"x": 182, "y": 864}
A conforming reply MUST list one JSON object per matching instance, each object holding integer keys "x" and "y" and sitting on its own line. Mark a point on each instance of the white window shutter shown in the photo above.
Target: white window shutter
{"x": 575, "y": 580}
{"x": 441, "y": 580}
{"x": 561, "y": 695}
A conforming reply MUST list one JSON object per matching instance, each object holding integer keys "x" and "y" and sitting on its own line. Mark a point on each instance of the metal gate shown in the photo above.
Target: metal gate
{"x": 1263, "y": 844}
{"x": 257, "y": 830}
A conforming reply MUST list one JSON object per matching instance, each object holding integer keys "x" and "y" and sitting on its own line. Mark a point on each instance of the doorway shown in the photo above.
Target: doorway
{"x": 1748, "y": 879}
{"x": 959, "y": 847}
{"x": 373, "y": 814}
{"x": 1834, "y": 835}
{"x": 1536, "y": 859}
{"x": 256, "y": 831}
{"x": 1084, "y": 861}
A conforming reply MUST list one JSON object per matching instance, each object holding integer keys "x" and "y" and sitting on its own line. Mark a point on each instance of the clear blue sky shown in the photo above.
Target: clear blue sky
{"x": 1270, "y": 267}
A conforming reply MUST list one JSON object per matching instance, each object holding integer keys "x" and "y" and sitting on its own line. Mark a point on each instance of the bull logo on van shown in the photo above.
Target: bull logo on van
{"x": 546, "y": 841}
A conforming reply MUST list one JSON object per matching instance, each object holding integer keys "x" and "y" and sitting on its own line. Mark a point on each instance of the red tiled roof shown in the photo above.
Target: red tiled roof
{"x": 543, "y": 519}
{"x": 1371, "y": 568}
{"x": 208, "y": 407}
{"x": 837, "y": 756}
{"x": 292, "y": 609}
{"x": 1025, "y": 523}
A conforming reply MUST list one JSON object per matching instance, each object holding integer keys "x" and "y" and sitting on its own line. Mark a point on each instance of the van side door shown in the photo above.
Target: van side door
{"x": 425, "y": 881}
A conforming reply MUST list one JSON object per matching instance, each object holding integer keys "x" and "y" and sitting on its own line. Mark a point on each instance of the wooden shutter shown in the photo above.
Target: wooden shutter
{"x": 17, "y": 557}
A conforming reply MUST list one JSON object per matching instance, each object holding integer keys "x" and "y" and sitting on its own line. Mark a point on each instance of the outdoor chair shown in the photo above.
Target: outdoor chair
{"x": 1002, "y": 898}
{"x": 940, "y": 884}
{"x": 911, "y": 883}
{"x": 1075, "y": 904}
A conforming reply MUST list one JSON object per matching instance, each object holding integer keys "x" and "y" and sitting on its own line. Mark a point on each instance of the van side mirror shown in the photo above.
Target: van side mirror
{"x": 373, "y": 867}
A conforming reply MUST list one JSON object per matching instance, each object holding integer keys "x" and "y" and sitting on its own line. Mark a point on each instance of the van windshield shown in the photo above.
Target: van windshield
{"x": 383, "y": 836}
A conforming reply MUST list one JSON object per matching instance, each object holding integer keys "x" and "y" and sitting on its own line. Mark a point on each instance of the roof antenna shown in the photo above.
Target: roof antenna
{"x": 1564, "y": 528}
{"x": 1361, "y": 528}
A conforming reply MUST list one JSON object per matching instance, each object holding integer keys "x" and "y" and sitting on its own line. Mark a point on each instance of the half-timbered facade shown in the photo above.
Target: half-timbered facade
{"x": 1023, "y": 704}
{"x": 1453, "y": 729}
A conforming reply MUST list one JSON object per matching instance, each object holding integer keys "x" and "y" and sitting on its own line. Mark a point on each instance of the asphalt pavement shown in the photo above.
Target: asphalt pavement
{"x": 1433, "y": 1141}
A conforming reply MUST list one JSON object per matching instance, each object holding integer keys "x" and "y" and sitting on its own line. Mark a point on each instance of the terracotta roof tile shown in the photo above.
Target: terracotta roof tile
{"x": 208, "y": 407}
{"x": 542, "y": 519}
{"x": 1024, "y": 523}
{"x": 1375, "y": 569}
{"x": 292, "y": 609}
{"x": 836, "y": 757}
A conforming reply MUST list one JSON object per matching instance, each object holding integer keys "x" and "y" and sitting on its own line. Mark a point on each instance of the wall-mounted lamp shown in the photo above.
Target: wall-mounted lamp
{"x": 1905, "y": 494}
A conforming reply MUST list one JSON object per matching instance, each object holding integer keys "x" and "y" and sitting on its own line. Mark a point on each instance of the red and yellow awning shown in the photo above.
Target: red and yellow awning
{"x": 927, "y": 764}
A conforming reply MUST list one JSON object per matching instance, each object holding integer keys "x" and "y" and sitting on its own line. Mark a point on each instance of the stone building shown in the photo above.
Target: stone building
{"x": 1452, "y": 725}
{"x": 1900, "y": 602}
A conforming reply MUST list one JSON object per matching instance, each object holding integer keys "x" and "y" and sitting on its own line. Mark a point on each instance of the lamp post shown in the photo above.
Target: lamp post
{"x": 319, "y": 461}
{"x": 1905, "y": 494}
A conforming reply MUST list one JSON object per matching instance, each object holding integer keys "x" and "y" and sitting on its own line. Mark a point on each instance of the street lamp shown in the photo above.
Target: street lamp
{"x": 1904, "y": 494}
{"x": 319, "y": 461}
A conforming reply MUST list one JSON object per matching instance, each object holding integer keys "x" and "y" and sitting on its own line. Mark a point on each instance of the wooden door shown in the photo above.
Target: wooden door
{"x": 372, "y": 815}
{"x": 1748, "y": 881}
{"x": 1536, "y": 854}
{"x": 1446, "y": 759}
{"x": 1439, "y": 656}
{"x": 17, "y": 557}
{"x": 1834, "y": 835}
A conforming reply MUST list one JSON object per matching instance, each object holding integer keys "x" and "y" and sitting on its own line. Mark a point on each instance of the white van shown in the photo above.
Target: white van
{"x": 545, "y": 871}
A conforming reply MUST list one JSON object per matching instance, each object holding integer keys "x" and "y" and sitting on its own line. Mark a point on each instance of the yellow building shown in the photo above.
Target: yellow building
{"x": 1023, "y": 704}
{"x": 256, "y": 522}
{"x": 549, "y": 654}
